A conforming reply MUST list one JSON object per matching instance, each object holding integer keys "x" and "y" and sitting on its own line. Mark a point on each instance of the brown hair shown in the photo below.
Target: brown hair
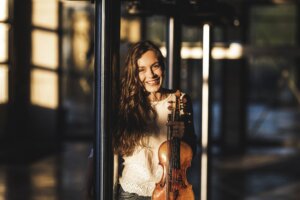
{"x": 135, "y": 111}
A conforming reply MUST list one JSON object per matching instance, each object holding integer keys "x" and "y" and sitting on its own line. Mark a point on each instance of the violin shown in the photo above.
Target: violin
{"x": 175, "y": 157}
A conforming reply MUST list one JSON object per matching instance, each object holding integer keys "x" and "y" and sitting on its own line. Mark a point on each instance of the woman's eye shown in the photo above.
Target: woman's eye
{"x": 156, "y": 66}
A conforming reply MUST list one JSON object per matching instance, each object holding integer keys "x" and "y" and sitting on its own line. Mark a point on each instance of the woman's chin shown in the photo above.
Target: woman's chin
{"x": 152, "y": 89}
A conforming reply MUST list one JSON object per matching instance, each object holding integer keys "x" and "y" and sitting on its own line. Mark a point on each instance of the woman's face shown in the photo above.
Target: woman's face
{"x": 150, "y": 72}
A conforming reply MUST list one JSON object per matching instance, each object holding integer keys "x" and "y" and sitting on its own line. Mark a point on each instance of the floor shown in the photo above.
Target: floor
{"x": 263, "y": 174}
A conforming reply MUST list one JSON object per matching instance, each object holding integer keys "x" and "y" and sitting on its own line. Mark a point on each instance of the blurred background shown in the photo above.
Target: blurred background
{"x": 47, "y": 91}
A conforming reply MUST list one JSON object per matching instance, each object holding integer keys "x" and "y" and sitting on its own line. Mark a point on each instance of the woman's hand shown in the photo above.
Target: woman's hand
{"x": 177, "y": 128}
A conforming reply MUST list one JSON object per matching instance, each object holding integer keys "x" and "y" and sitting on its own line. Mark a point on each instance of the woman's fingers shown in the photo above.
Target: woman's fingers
{"x": 177, "y": 128}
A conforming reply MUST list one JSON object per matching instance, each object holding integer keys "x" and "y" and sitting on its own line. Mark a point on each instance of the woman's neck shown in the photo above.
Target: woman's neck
{"x": 156, "y": 96}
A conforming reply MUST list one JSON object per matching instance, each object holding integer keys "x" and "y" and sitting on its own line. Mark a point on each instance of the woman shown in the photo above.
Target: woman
{"x": 143, "y": 116}
{"x": 142, "y": 125}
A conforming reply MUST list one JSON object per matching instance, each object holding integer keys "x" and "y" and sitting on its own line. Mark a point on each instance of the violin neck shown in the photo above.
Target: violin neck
{"x": 175, "y": 141}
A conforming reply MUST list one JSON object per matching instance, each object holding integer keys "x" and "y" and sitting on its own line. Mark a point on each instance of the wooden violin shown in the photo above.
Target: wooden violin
{"x": 175, "y": 157}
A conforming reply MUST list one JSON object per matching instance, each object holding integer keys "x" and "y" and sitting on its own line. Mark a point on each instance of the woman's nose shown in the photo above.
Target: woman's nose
{"x": 150, "y": 72}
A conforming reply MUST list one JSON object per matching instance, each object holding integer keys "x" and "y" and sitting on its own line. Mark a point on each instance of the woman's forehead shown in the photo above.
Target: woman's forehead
{"x": 148, "y": 58}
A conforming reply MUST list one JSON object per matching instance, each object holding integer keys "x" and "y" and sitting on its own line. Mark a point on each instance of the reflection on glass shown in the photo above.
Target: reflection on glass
{"x": 3, "y": 183}
{"x": 44, "y": 180}
{"x": 45, "y": 13}
{"x": 3, "y": 10}
{"x": 45, "y": 49}
{"x": 3, "y": 42}
{"x": 81, "y": 38}
{"x": 130, "y": 30}
{"x": 44, "y": 88}
{"x": 3, "y": 84}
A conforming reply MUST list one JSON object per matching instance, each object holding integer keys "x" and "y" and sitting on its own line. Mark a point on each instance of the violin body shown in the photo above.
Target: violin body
{"x": 178, "y": 189}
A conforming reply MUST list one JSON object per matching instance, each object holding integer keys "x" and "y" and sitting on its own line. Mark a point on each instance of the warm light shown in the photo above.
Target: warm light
{"x": 3, "y": 10}
{"x": 218, "y": 53}
{"x": 204, "y": 176}
{"x": 2, "y": 191}
{"x": 196, "y": 53}
{"x": 205, "y": 105}
{"x": 235, "y": 51}
{"x": 43, "y": 181}
{"x": 191, "y": 52}
{"x": 45, "y": 49}
{"x": 44, "y": 88}
{"x": 3, "y": 84}
{"x": 130, "y": 30}
{"x": 45, "y": 13}
{"x": 171, "y": 53}
{"x": 3, "y": 42}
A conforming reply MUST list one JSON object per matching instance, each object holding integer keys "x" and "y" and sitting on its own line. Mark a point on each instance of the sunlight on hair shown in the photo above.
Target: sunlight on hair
{"x": 44, "y": 88}
{"x": 3, "y": 42}
{"x": 3, "y": 10}
{"x": 45, "y": 13}
{"x": 45, "y": 49}
{"x": 3, "y": 84}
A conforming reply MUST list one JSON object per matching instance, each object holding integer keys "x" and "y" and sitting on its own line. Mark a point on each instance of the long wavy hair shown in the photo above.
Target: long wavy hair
{"x": 135, "y": 111}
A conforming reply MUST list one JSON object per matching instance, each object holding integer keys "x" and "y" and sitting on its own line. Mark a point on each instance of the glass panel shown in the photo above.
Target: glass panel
{"x": 44, "y": 88}
{"x": 269, "y": 25}
{"x": 3, "y": 42}
{"x": 156, "y": 29}
{"x": 3, "y": 84}
{"x": 81, "y": 39}
{"x": 45, "y": 49}
{"x": 273, "y": 109}
{"x": 45, "y": 13}
{"x": 3, "y": 10}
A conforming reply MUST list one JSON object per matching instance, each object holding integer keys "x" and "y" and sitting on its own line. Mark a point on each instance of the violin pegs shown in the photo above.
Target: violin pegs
{"x": 177, "y": 93}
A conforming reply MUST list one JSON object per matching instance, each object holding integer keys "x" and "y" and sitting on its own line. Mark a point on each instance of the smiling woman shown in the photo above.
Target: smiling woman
{"x": 142, "y": 122}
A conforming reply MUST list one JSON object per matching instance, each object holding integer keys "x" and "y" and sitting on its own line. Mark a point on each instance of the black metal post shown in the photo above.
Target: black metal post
{"x": 106, "y": 63}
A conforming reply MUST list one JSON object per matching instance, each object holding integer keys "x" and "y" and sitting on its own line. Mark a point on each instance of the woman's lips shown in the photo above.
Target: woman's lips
{"x": 153, "y": 82}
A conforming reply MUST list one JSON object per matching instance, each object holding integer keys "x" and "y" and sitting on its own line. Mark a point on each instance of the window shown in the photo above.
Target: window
{"x": 45, "y": 53}
{"x": 4, "y": 52}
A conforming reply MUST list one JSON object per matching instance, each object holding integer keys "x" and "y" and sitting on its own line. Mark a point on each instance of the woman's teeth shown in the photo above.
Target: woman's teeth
{"x": 152, "y": 82}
